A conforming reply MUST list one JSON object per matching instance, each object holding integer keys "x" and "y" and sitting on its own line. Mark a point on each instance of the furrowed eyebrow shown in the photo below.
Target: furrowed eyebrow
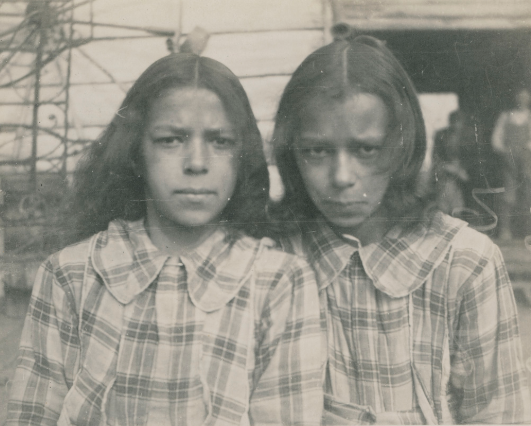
{"x": 170, "y": 128}
{"x": 368, "y": 141}
{"x": 313, "y": 137}
{"x": 314, "y": 141}
{"x": 187, "y": 131}
{"x": 325, "y": 141}
{"x": 219, "y": 132}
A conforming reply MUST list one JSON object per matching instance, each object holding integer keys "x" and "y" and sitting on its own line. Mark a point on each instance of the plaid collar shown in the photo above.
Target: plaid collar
{"x": 128, "y": 262}
{"x": 398, "y": 264}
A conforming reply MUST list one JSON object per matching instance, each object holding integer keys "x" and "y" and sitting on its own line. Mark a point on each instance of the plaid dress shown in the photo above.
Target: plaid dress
{"x": 421, "y": 327}
{"x": 119, "y": 333}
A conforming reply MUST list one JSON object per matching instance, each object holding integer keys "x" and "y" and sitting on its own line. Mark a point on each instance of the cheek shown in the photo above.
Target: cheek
{"x": 378, "y": 186}
{"x": 305, "y": 169}
{"x": 234, "y": 165}
{"x": 159, "y": 173}
{"x": 159, "y": 169}
{"x": 314, "y": 177}
{"x": 228, "y": 173}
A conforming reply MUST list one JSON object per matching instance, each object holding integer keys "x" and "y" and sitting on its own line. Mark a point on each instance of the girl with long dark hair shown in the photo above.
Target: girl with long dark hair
{"x": 172, "y": 308}
{"x": 420, "y": 319}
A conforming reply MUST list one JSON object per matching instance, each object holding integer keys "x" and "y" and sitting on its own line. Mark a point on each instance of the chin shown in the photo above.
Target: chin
{"x": 348, "y": 225}
{"x": 345, "y": 222}
{"x": 194, "y": 221}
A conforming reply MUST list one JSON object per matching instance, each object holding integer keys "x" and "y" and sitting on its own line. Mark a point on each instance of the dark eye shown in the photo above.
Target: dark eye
{"x": 315, "y": 152}
{"x": 221, "y": 142}
{"x": 170, "y": 140}
{"x": 367, "y": 151}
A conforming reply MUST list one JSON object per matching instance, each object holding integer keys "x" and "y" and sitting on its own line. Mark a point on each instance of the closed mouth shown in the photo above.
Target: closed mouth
{"x": 192, "y": 191}
{"x": 345, "y": 203}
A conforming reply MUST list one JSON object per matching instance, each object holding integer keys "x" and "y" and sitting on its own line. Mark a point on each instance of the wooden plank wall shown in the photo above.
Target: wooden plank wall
{"x": 434, "y": 14}
{"x": 262, "y": 42}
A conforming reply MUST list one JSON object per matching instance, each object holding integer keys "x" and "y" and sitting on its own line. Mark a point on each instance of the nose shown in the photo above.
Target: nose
{"x": 344, "y": 174}
{"x": 196, "y": 161}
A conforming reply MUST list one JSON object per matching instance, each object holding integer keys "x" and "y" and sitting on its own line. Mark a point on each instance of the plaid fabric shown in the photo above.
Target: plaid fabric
{"x": 119, "y": 333}
{"x": 421, "y": 327}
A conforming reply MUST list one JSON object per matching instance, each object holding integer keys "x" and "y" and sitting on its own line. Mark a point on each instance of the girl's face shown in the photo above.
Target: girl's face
{"x": 339, "y": 152}
{"x": 190, "y": 153}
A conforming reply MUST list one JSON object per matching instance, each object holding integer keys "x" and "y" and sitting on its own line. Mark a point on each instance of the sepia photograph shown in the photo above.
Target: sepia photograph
{"x": 282, "y": 212}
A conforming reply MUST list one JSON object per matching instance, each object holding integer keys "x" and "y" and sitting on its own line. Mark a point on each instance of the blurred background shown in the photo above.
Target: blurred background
{"x": 65, "y": 66}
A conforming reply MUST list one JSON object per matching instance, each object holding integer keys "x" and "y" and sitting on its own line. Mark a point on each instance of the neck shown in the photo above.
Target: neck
{"x": 176, "y": 240}
{"x": 372, "y": 230}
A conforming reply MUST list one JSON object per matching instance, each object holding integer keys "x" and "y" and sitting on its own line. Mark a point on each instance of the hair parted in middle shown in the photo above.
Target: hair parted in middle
{"x": 351, "y": 64}
{"x": 108, "y": 182}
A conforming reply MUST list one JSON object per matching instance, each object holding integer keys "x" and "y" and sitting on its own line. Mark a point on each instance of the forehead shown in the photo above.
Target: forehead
{"x": 356, "y": 115}
{"x": 188, "y": 105}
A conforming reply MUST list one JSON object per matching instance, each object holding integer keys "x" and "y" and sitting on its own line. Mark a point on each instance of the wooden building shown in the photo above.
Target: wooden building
{"x": 478, "y": 49}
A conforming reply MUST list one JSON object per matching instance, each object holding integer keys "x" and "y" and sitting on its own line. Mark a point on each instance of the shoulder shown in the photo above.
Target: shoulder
{"x": 284, "y": 282}
{"x": 469, "y": 240}
{"x": 462, "y": 242}
{"x": 278, "y": 259}
{"x": 475, "y": 262}
{"x": 274, "y": 266}
{"x": 79, "y": 253}
{"x": 60, "y": 278}
{"x": 274, "y": 259}
{"x": 293, "y": 244}
{"x": 471, "y": 251}
{"x": 70, "y": 263}
{"x": 69, "y": 258}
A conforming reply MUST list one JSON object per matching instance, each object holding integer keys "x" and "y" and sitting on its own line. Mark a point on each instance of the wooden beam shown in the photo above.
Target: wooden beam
{"x": 408, "y": 23}
{"x": 427, "y": 14}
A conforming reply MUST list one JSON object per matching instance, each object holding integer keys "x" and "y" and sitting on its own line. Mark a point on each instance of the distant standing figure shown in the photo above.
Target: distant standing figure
{"x": 451, "y": 177}
{"x": 512, "y": 140}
